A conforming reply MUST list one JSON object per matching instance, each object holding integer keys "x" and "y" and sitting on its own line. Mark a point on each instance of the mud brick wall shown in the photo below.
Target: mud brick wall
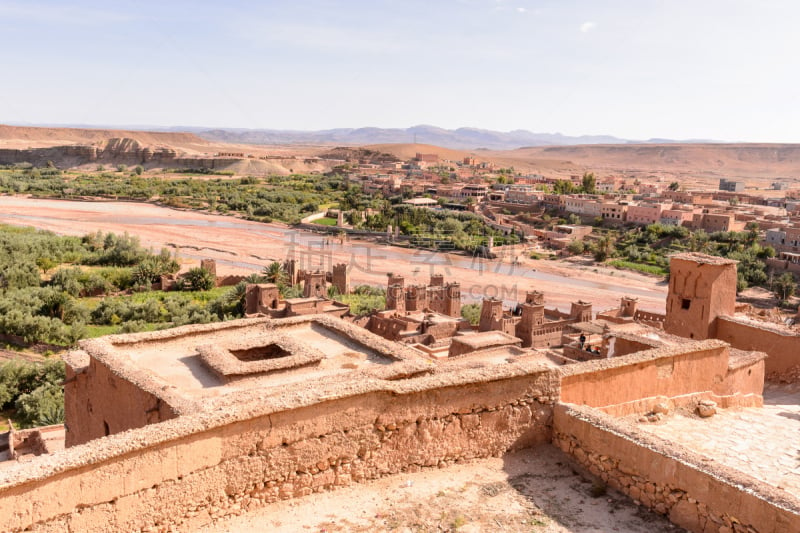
{"x": 634, "y": 383}
{"x": 783, "y": 347}
{"x": 191, "y": 469}
{"x": 671, "y": 480}
{"x": 107, "y": 404}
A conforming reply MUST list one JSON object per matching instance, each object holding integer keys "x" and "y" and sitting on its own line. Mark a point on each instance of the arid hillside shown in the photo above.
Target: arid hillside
{"x": 699, "y": 165}
{"x": 21, "y": 137}
{"x": 501, "y": 158}
{"x": 77, "y": 147}
{"x": 409, "y": 150}
{"x": 711, "y": 160}
{"x": 696, "y": 165}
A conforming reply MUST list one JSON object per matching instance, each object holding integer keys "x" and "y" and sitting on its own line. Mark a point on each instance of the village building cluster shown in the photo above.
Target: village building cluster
{"x": 515, "y": 202}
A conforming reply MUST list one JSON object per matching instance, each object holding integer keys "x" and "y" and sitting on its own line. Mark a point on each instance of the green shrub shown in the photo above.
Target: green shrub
{"x": 364, "y": 299}
{"x": 68, "y": 280}
{"x": 43, "y": 406}
{"x": 576, "y": 247}
{"x": 133, "y": 326}
{"x": 199, "y": 279}
{"x": 471, "y": 313}
{"x": 21, "y": 378}
{"x": 96, "y": 284}
{"x": 639, "y": 267}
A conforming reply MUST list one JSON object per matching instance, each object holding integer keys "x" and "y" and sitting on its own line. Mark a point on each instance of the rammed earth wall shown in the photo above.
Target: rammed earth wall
{"x": 783, "y": 363}
{"x": 635, "y": 383}
{"x": 189, "y": 469}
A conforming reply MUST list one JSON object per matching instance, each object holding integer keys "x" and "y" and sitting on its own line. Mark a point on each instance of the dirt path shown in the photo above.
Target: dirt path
{"x": 240, "y": 246}
{"x": 535, "y": 490}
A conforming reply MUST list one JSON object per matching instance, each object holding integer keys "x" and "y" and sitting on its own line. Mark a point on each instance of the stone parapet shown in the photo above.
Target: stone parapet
{"x": 697, "y": 495}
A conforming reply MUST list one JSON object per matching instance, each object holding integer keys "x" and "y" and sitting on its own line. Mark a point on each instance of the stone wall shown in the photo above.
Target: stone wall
{"x": 621, "y": 345}
{"x": 671, "y": 480}
{"x": 782, "y": 265}
{"x": 197, "y": 467}
{"x": 783, "y": 347}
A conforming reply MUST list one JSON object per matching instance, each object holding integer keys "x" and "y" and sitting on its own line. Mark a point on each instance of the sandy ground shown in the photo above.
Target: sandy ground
{"x": 535, "y": 490}
{"x": 242, "y": 247}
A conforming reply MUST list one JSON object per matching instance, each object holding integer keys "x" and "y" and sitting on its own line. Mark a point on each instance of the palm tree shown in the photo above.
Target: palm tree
{"x": 274, "y": 273}
{"x": 784, "y": 287}
{"x": 605, "y": 247}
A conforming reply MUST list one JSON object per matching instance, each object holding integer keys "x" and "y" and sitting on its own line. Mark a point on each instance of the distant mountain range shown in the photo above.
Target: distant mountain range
{"x": 461, "y": 138}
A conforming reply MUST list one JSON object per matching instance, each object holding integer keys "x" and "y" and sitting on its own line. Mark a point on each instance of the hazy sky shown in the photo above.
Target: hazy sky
{"x": 718, "y": 69}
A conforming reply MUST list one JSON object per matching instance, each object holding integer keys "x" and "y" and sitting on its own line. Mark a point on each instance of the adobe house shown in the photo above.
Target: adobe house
{"x": 132, "y": 383}
{"x": 421, "y": 315}
{"x": 161, "y": 424}
{"x": 535, "y": 325}
{"x": 265, "y": 299}
{"x": 314, "y": 285}
{"x": 437, "y": 296}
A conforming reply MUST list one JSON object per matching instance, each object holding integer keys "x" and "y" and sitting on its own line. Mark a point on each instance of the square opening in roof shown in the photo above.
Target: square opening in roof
{"x": 260, "y": 353}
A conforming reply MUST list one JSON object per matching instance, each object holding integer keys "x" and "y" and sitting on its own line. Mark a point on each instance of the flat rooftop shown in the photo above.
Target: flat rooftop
{"x": 703, "y": 259}
{"x": 207, "y": 367}
{"x": 760, "y": 442}
{"x": 486, "y": 339}
{"x": 208, "y": 361}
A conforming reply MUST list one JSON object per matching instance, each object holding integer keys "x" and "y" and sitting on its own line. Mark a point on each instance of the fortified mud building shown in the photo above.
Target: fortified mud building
{"x": 163, "y": 425}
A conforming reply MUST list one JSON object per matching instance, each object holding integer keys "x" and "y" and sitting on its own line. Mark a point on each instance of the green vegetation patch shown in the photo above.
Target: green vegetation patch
{"x": 32, "y": 392}
{"x": 284, "y": 198}
{"x": 363, "y": 299}
{"x": 648, "y": 249}
{"x": 639, "y": 267}
{"x": 57, "y": 290}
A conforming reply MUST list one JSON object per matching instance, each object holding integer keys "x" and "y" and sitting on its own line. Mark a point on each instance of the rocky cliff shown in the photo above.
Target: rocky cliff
{"x": 115, "y": 151}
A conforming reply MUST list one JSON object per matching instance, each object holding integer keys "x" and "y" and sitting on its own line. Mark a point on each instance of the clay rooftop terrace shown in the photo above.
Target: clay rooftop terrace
{"x": 185, "y": 365}
{"x": 197, "y": 368}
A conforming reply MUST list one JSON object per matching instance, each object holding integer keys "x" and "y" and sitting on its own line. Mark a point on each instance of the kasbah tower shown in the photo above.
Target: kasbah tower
{"x": 701, "y": 289}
